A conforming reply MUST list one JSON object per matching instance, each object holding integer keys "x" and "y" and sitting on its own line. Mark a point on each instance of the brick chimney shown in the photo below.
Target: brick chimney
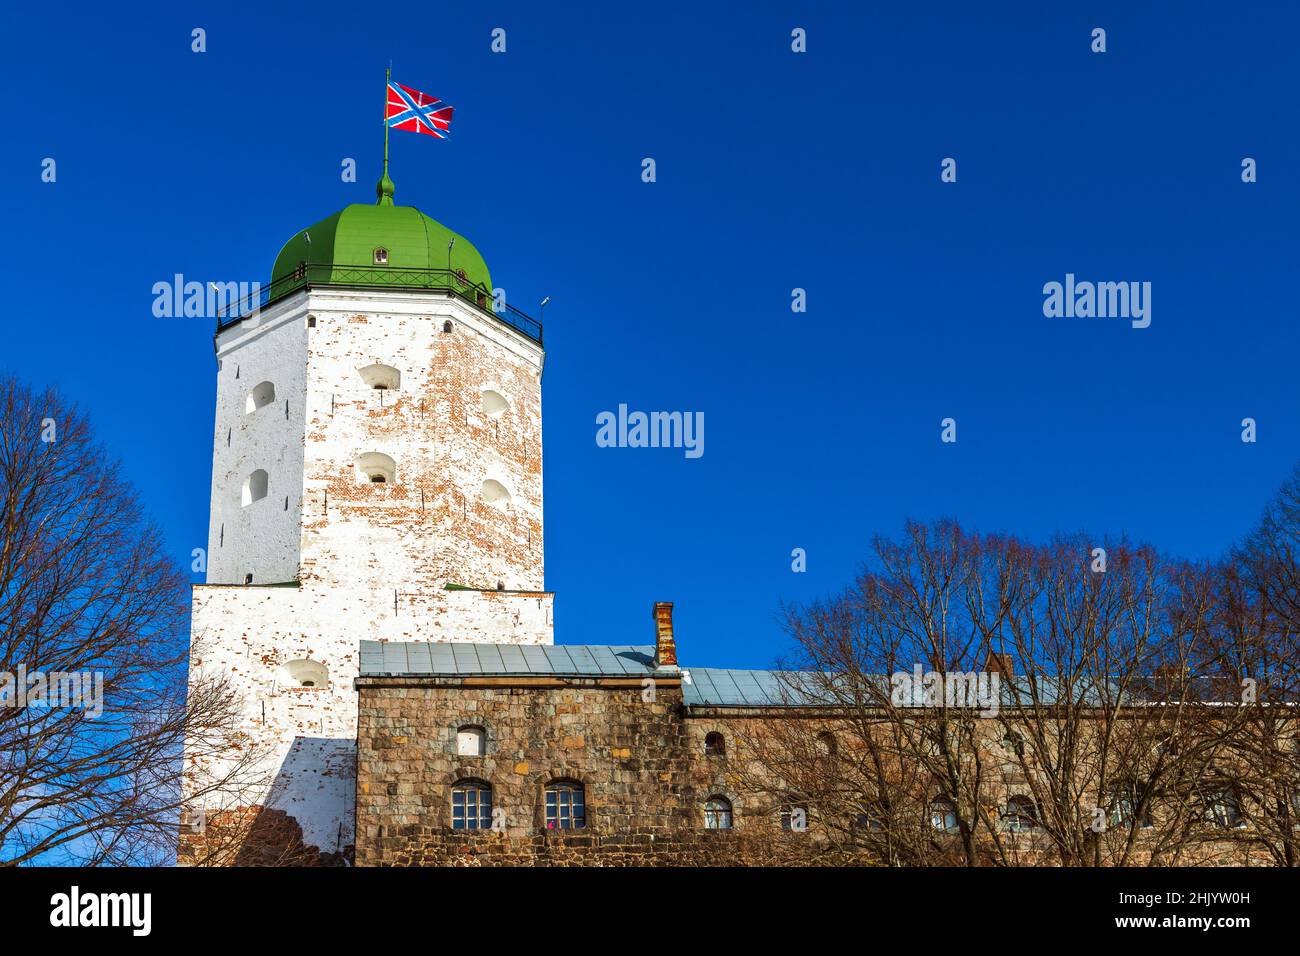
{"x": 999, "y": 662}
{"x": 665, "y": 646}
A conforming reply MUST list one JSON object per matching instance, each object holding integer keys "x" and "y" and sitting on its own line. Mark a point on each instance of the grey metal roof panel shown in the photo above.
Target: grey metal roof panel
{"x": 603, "y": 660}
{"x": 699, "y": 687}
{"x": 489, "y": 659}
{"x": 512, "y": 658}
{"x": 558, "y": 660}
{"x": 536, "y": 659}
{"x": 443, "y": 658}
{"x": 395, "y": 661}
{"x": 584, "y": 661}
{"x": 706, "y": 686}
{"x": 466, "y": 656}
{"x": 634, "y": 661}
{"x": 418, "y": 659}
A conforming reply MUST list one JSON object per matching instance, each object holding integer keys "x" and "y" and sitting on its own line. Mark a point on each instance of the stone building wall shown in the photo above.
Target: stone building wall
{"x": 642, "y": 766}
{"x": 647, "y": 775}
{"x": 632, "y": 756}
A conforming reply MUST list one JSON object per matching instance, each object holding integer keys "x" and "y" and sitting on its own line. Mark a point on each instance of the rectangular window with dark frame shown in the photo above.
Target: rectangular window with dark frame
{"x": 565, "y": 807}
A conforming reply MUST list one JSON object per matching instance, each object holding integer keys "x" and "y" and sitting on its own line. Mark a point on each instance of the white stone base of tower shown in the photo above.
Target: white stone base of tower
{"x": 267, "y": 641}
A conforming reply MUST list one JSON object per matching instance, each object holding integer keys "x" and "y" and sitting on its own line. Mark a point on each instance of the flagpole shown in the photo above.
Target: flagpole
{"x": 384, "y": 188}
{"x": 388, "y": 78}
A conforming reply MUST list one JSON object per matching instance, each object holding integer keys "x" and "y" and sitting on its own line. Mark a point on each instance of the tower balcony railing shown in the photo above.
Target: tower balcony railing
{"x": 308, "y": 275}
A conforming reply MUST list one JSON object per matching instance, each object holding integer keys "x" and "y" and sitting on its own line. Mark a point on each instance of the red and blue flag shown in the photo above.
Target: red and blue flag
{"x": 417, "y": 112}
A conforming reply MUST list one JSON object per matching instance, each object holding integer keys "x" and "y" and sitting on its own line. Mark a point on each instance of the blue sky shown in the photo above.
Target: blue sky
{"x": 774, "y": 171}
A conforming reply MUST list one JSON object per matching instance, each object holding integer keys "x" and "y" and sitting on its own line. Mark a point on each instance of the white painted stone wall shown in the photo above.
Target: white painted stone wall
{"x": 263, "y": 538}
{"x": 371, "y": 561}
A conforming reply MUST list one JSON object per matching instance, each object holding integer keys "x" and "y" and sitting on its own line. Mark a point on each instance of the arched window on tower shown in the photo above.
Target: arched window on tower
{"x": 376, "y": 468}
{"x": 381, "y": 377}
{"x": 495, "y": 493}
{"x": 715, "y": 745}
{"x": 1222, "y": 807}
{"x": 304, "y": 673}
{"x": 494, "y": 403}
{"x": 255, "y": 486}
{"x": 1020, "y": 815}
{"x": 261, "y": 396}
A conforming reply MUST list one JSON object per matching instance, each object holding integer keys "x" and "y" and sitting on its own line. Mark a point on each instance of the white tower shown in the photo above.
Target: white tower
{"x": 377, "y": 475}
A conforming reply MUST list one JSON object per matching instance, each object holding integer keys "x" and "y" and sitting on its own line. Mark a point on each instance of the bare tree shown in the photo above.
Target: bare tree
{"x": 1120, "y": 737}
{"x": 94, "y": 707}
{"x": 1257, "y": 645}
{"x": 902, "y": 783}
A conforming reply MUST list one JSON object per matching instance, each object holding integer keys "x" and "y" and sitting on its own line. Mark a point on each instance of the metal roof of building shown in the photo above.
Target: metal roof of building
{"x": 394, "y": 659}
{"x": 707, "y": 686}
{"x": 723, "y": 687}
{"x": 702, "y": 686}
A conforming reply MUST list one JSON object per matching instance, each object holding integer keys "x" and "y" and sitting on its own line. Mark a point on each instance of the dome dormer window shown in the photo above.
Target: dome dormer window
{"x": 381, "y": 256}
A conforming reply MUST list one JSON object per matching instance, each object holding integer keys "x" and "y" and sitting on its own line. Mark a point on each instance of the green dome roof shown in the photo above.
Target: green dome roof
{"x": 342, "y": 248}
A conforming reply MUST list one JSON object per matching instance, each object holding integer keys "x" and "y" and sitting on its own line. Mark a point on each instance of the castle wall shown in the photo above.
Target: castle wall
{"x": 432, "y": 525}
{"x": 632, "y": 758}
{"x": 360, "y": 559}
{"x": 647, "y": 775}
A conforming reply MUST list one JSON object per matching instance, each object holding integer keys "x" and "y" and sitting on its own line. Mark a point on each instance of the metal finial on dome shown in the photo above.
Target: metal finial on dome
{"x": 384, "y": 189}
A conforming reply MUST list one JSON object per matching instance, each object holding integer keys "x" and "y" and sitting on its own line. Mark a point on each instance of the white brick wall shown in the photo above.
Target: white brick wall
{"x": 372, "y": 560}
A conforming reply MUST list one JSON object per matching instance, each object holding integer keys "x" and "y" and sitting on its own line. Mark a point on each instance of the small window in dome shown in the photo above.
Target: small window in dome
{"x": 381, "y": 256}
